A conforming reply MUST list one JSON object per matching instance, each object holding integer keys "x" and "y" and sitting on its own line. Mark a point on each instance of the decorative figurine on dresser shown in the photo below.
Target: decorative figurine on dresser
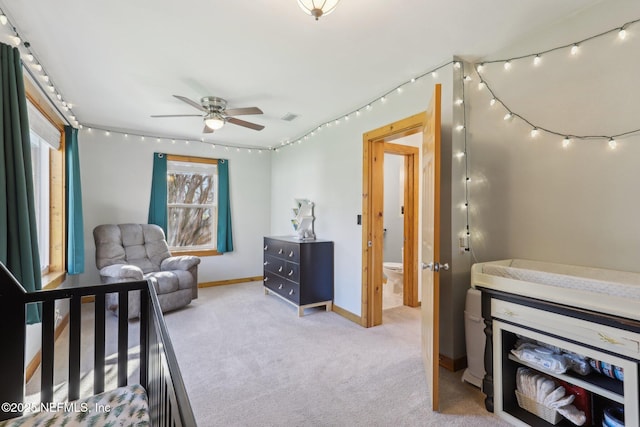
{"x": 299, "y": 269}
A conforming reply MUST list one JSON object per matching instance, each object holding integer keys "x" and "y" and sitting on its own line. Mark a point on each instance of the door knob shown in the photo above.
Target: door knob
{"x": 435, "y": 266}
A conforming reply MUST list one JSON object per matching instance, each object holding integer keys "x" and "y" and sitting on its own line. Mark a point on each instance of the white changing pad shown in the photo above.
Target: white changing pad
{"x": 609, "y": 282}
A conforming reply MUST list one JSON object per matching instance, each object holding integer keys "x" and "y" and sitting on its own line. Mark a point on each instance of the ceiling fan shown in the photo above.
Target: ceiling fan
{"x": 216, "y": 113}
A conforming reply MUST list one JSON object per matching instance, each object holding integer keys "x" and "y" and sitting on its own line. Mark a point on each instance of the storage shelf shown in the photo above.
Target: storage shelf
{"x": 594, "y": 383}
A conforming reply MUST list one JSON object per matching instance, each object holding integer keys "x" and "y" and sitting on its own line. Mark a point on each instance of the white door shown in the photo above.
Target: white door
{"x": 431, "y": 245}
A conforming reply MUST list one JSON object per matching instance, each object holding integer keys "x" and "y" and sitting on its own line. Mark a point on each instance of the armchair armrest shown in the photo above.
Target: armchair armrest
{"x": 122, "y": 271}
{"x": 182, "y": 262}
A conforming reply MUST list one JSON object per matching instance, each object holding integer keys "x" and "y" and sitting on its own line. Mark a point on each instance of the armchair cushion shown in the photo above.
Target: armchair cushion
{"x": 183, "y": 262}
{"x": 122, "y": 271}
{"x": 164, "y": 281}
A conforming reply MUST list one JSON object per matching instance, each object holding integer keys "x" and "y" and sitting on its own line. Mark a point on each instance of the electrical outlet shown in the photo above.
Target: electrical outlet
{"x": 462, "y": 244}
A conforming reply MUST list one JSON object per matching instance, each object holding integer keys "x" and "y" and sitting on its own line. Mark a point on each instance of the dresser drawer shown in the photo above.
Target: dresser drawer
{"x": 292, "y": 271}
{"x": 283, "y": 287}
{"x": 274, "y": 248}
{"x": 292, "y": 252}
{"x": 274, "y": 265}
{"x": 273, "y": 281}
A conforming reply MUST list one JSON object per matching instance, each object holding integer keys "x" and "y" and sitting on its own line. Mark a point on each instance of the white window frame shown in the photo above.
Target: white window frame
{"x": 183, "y": 164}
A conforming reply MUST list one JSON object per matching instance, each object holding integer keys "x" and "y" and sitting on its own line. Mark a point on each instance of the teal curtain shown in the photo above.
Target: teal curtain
{"x": 158, "y": 202}
{"x": 75, "y": 223}
{"x": 225, "y": 237}
{"x": 18, "y": 232}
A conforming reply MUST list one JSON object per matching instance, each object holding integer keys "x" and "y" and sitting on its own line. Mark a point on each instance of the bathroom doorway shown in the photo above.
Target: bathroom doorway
{"x": 399, "y": 288}
{"x": 375, "y": 144}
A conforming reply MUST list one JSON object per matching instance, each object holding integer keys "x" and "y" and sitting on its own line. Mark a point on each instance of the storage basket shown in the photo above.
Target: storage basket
{"x": 528, "y": 404}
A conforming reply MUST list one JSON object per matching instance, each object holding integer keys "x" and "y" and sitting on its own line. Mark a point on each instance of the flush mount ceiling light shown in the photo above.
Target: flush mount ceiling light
{"x": 318, "y": 8}
{"x": 214, "y": 121}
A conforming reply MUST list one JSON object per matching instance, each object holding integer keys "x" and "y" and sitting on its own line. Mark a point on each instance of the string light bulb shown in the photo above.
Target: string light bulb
{"x": 566, "y": 142}
{"x": 508, "y": 116}
{"x": 622, "y": 34}
{"x": 480, "y": 68}
{"x": 574, "y": 49}
{"x": 537, "y": 60}
{"x": 16, "y": 40}
{"x": 3, "y": 19}
{"x": 534, "y": 132}
{"x": 613, "y": 144}
{"x": 507, "y": 65}
{"x": 492, "y": 102}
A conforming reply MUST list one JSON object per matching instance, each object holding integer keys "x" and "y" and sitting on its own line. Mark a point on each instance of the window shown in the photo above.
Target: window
{"x": 40, "y": 166}
{"x": 47, "y": 160}
{"x": 192, "y": 204}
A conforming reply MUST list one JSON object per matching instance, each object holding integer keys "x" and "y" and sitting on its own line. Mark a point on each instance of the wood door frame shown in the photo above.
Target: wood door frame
{"x": 375, "y": 144}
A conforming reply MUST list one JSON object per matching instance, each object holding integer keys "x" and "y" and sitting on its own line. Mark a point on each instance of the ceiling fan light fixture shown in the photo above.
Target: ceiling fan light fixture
{"x": 318, "y": 8}
{"x": 214, "y": 121}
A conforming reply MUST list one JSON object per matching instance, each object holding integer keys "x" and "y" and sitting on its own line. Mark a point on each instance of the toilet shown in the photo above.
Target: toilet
{"x": 394, "y": 274}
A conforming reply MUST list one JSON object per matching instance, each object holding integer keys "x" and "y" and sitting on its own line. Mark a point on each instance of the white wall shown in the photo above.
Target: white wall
{"x": 393, "y": 200}
{"x": 116, "y": 183}
{"x": 327, "y": 169}
{"x": 530, "y": 197}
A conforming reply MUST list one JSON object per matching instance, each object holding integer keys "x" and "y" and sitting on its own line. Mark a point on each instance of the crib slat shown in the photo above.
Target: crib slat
{"x": 48, "y": 342}
{"x": 144, "y": 332}
{"x": 75, "y": 319}
{"x": 99, "y": 344}
{"x": 123, "y": 336}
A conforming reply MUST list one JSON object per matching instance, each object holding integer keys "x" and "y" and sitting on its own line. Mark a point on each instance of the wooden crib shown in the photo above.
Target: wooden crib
{"x": 166, "y": 402}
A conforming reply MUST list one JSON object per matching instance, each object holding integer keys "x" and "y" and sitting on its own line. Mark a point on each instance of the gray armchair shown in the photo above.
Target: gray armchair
{"x": 129, "y": 252}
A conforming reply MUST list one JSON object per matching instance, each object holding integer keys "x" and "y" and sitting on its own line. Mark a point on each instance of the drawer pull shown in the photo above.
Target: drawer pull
{"x": 266, "y": 263}
{"x": 508, "y": 313}
{"x": 280, "y": 251}
{"x": 265, "y": 279}
{"x": 291, "y": 273}
{"x": 291, "y": 292}
{"x": 608, "y": 339}
{"x": 266, "y": 247}
{"x": 280, "y": 269}
{"x": 291, "y": 254}
{"x": 280, "y": 286}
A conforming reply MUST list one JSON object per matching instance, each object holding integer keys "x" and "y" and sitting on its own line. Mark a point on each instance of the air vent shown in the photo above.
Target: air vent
{"x": 289, "y": 117}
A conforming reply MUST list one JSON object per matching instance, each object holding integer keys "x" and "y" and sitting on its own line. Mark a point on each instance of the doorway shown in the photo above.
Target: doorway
{"x": 376, "y": 143}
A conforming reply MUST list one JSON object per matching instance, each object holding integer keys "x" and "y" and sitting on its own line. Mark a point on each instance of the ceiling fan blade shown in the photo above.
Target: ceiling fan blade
{"x": 245, "y": 124}
{"x": 176, "y": 115}
{"x": 207, "y": 129}
{"x": 192, "y": 103}
{"x": 242, "y": 111}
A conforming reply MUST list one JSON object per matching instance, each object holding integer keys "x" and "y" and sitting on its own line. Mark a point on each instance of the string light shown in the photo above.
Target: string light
{"x": 507, "y": 65}
{"x": 622, "y": 34}
{"x": 28, "y": 56}
{"x": 574, "y": 49}
{"x": 382, "y": 99}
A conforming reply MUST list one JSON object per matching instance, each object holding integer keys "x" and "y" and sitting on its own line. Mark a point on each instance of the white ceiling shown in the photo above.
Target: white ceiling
{"x": 120, "y": 61}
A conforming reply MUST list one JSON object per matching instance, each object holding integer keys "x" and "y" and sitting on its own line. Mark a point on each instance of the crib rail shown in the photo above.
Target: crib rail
{"x": 159, "y": 372}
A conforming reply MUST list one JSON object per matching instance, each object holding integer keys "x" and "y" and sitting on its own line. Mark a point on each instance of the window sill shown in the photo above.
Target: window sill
{"x": 208, "y": 252}
{"x": 53, "y": 280}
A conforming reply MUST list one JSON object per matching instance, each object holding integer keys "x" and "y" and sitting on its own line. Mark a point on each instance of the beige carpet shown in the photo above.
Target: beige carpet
{"x": 248, "y": 360}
